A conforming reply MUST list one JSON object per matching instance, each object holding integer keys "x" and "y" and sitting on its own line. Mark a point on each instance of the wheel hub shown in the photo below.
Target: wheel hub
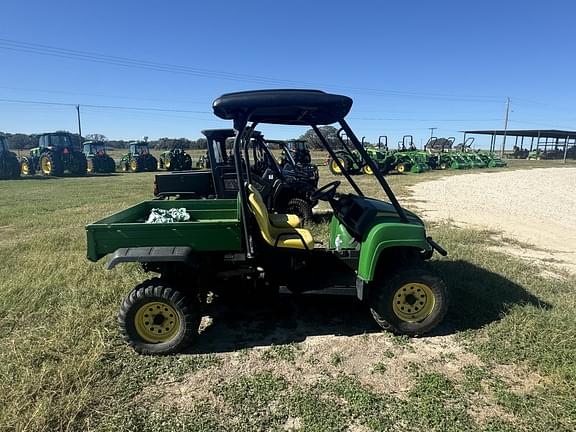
{"x": 156, "y": 322}
{"x": 413, "y": 302}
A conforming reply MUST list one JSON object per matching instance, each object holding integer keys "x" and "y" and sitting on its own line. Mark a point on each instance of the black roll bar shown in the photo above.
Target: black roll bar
{"x": 375, "y": 170}
{"x": 240, "y": 127}
{"x": 337, "y": 160}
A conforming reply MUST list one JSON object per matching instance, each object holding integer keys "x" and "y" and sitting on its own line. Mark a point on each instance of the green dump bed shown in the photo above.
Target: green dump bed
{"x": 214, "y": 226}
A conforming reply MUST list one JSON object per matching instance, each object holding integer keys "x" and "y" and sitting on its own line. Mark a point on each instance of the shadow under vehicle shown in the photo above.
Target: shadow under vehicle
{"x": 377, "y": 250}
{"x": 56, "y": 153}
{"x": 284, "y": 189}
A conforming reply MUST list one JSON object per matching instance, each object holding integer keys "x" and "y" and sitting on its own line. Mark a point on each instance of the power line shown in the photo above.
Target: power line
{"x": 128, "y": 108}
{"x": 47, "y": 50}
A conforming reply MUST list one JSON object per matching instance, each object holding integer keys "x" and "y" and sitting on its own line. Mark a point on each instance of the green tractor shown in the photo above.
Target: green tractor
{"x": 409, "y": 159}
{"x": 98, "y": 161}
{"x": 492, "y": 160}
{"x": 473, "y": 159}
{"x": 138, "y": 158}
{"x": 377, "y": 251}
{"x": 56, "y": 153}
{"x": 175, "y": 159}
{"x": 9, "y": 165}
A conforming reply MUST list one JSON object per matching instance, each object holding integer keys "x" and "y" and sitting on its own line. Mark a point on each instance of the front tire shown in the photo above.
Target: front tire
{"x": 412, "y": 302}
{"x": 157, "y": 319}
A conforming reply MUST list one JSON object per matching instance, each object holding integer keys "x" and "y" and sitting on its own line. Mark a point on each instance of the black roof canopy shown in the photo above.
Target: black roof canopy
{"x": 290, "y": 107}
{"x": 542, "y": 133}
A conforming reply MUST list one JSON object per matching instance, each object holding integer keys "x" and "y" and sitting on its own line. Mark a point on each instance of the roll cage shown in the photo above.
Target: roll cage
{"x": 291, "y": 107}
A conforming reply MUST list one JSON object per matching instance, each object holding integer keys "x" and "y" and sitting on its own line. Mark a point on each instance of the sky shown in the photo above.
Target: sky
{"x": 153, "y": 68}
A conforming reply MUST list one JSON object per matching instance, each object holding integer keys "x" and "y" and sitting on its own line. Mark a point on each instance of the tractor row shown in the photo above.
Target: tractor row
{"x": 59, "y": 153}
{"x": 437, "y": 155}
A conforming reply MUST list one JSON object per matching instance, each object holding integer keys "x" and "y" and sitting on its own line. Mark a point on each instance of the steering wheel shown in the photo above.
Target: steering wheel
{"x": 326, "y": 192}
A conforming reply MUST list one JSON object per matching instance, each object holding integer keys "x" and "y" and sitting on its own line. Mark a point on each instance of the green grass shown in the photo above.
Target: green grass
{"x": 64, "y": 367}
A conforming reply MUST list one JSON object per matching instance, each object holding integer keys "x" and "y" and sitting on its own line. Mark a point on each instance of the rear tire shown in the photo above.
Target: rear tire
{"x": 411, "y": 302}
{"x": 26, "y": 167}
{"x": 335, "y": 169}
{"x": 78, "y": 164}
{"x": 300, "y": 208}
{"x": 50, "y": 165}
{"x": 157, "y": 319}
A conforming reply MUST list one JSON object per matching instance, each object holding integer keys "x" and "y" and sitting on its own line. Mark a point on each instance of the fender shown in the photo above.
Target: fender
{"x": 150, "y": 254}
{"x": 383, "y": 236}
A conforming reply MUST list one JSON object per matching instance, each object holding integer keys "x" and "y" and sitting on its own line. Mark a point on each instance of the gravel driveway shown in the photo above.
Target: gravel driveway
{"x": 535, "y": 206}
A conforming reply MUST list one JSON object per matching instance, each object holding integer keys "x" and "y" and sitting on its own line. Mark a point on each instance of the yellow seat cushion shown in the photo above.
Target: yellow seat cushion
{"x": 281, "y": 220}
{"x": 285, "y": 237}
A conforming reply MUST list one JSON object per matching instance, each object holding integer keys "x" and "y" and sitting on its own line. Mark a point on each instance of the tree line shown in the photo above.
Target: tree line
{"x": 19, "y": 141}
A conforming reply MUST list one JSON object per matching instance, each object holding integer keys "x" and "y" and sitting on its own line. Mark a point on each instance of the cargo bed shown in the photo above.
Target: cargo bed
{"x": 214, "y": 226}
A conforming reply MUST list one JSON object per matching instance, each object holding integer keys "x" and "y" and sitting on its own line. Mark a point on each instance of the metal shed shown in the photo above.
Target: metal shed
{"x": 548, "y": 141}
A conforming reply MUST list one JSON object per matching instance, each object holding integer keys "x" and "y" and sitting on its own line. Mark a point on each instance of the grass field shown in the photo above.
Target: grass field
{"x": 503, "y": 360}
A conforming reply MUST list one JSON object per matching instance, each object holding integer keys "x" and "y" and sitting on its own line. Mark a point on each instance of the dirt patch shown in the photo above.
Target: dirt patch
{"x": 533, "y": 206}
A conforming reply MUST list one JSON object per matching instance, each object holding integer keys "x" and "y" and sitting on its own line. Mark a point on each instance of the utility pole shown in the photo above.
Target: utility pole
{"x": 505, "y": 126}
{"x": 79, "y": 124}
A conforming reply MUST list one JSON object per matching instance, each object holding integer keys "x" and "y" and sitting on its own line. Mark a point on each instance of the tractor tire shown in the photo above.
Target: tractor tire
{"x": 91, "y": 165}
{"x": 187, "y": 164}
{"x": 9, "y": 167}
{"x": 401, "y": 168}
{"x": 411, "y": 302}
{"x": 160, "y": 163}
{"x": 150, "y": 163}
{"x": 443, "y": 166}
{"x": 136, "y": 164}
{"x": 124, "y": 166}
{"x": 26, "y": 167}
{"x": 335, "y": 169}
{"x": 78, "y": 164}
{"x": 366, "y": 169}
{"x": 156, "y": 319}
{"x": 50, "y": 165}
{"x": 110, "y": 165}
{"x": 300, "y": 208}
{"x": 168, "y": 164}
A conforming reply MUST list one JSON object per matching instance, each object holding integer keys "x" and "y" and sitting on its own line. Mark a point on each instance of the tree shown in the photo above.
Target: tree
{"x": 96, "y": 137}
{"x": 330, "y": 133}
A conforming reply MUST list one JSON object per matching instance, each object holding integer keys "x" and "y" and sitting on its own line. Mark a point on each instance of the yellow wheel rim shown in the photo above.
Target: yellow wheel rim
{"x": 368, "y": 170}
{"x": 46, "y": 165}
{"x": 24, "y": 168}
{"x": 413, "y": 302}
{"x": 401, "y": 168}
{"x": 90, "y": 166}
{"x": 167, "y": 164}
{"x": 156, "y": 322}
{"x": 335, "y": 167}
{"x": 133, "y": 165}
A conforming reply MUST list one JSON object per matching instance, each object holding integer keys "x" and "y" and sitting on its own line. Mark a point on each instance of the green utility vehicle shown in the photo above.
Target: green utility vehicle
{"x": 377, "y": 250}
{"x": 138, "y": 158}
{"x": 98, "y": 161}
{"x": 9, "y": 165}
{"x": 175, "y": 159}
{"x": 56, "y": 153}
